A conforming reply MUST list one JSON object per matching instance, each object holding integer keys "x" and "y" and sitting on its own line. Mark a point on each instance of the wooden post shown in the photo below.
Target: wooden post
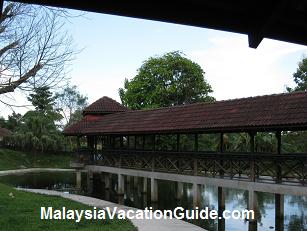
{"x": 252, "y": 160}
{"x": 78, "y": 140}
{"x": 279, "y": 212}
{"x": 135, "y": 137}
{"x": 78, "y": 148}
{"x": 154, "y": 142}
{"x": 196, "y": 142}
{"x": 143, "y": 144}
{"x": 221, "y": 151}
{"x": 128, "y": 142}
{"x": 90, "y": 145}
{"x": 121, "y": 142}
{"x": 278, "y": 161}
{"x": 222, "y": 142}
{"x": 178, "y": 142}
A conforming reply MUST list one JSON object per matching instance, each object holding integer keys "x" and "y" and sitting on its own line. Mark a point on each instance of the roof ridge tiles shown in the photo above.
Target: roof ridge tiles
{"x": 214, "y": 102}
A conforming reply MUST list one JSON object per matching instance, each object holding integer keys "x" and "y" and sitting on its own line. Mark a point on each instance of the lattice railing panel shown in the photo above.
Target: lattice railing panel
{"x": 286, "y": 168}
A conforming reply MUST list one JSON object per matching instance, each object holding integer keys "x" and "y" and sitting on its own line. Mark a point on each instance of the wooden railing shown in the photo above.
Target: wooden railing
{"x": 257, "y": 167}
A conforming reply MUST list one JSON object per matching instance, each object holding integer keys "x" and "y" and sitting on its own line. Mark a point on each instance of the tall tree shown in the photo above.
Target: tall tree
{"x": 300, "y": 77}
{"x": 166, "y": 80}
{"x": 34, "y": 49}
{"x": 71, "y": 102}
{"x": 38, "y": 130}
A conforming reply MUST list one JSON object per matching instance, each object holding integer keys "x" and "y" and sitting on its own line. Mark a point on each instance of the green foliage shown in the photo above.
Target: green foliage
{"x": 294, "y": 142}
{"x": 300, "y": 77}
{"x": 12, "y": 123}
{"x": 71, "y": 102}
{"x": 38, "y": 129}
{"x": 42, "y": 99}
{"x": 166, "y": 81}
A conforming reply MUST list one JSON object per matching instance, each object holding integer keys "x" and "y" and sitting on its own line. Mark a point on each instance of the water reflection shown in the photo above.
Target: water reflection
{"x": 171, "y": 195}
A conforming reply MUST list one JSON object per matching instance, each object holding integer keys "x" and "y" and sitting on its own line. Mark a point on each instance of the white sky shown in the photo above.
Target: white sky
{"x": 114, "y": 47}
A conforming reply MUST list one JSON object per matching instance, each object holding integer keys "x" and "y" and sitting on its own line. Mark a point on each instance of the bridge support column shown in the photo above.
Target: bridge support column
{"x": 252, "y": 205}
{"x": 89, "y": 181}
{"x": 179, "y": 190}
{"x": 78, "y": 179}
{"x": 107, "y": 181}
{"x": 135, "y": 182}
{"x": 121, "y": 184}
{"x": 221, "y": 208}
{"x": 279, "y": 212}
{"x": 144, "y": 189}
{"x": 129, "y": 179}
{"x": 196, "y": 195}
{"x": 154, "y": 189}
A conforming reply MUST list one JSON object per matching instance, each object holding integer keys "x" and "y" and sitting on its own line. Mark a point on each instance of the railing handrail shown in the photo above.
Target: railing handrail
{"x": 207, "y": 154}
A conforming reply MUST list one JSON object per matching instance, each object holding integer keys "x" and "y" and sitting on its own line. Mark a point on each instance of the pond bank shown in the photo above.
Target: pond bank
{"x": 33, "y": 170}
{"x": 142, "y": 225}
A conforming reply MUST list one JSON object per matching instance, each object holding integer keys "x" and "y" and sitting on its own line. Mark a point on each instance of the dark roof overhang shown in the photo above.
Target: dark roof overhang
{"x": 283, "y": 20}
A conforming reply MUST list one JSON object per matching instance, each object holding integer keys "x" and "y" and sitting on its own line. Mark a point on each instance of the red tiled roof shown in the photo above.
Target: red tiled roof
{"x": 104, "y": 105}
{"x": 286, "y": 111}
{"x": 5, "y": 132}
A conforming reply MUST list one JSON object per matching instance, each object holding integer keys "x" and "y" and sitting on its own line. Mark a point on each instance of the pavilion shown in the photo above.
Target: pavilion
{"x": 175, "y": 139}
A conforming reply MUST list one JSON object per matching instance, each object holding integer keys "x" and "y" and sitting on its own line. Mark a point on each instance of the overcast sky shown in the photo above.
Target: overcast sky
{"x": 114, "y": 47}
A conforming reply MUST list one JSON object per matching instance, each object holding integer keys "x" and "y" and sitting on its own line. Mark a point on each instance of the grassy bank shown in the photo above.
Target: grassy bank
{"x": 10, "y": 159}
{"x": 21, "y": 211}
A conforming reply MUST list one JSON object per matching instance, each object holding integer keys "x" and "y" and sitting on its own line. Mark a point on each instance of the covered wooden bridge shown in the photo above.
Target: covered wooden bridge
{"x": 196, "y": 139}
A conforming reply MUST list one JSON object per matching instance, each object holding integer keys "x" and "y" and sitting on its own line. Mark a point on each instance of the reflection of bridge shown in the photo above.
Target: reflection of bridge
{"x": 188, "y": 144}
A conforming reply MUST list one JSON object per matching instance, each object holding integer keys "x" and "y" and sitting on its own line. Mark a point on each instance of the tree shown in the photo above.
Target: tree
{"x": 163, "y": 81}
{"x": 71, "y": 102}
{"x": 34, "y": 50}
{"x": 12, "y": 123}
{"x": 38, "y": 130}
{"x": 300, "y": 77}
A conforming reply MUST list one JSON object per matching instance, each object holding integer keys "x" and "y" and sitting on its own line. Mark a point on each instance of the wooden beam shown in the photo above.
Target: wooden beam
{"x": 1, "y": 7}
{"x": 254, "y": 39}
{"x": 265, "y": 23}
